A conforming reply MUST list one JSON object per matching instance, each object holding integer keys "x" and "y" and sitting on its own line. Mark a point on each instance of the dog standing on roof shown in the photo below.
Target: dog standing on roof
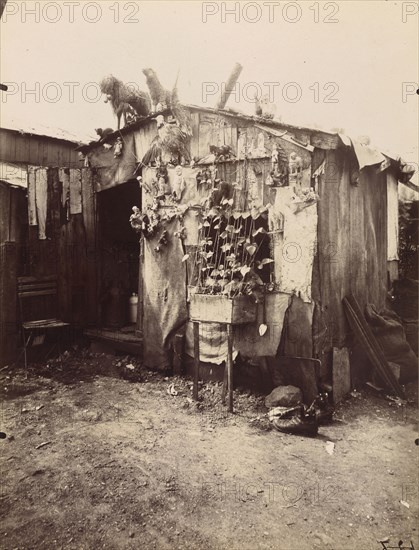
{"x": 127, "y": 101}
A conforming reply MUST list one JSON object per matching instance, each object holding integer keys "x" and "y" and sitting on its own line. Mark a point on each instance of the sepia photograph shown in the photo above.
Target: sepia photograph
{"x": 209, "y": 275}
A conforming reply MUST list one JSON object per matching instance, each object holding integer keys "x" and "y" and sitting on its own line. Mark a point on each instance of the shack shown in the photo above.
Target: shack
{"x": 296, "y": 218}
{"x": 316, "y": 212}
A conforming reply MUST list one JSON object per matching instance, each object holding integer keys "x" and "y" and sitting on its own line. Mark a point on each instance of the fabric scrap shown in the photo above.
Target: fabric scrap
{"x": 299, "y": 242}
{"x": 247, "y": 340}
{"x": 392, "y": 218}
{"x": 366, "y": 156}
{"x": 41, "y": 196}
{"x": 75, "y": 191}
{"x": 14, "y": 174}
{"x": 32, "y": 216}
{"x": 212, "y": 342}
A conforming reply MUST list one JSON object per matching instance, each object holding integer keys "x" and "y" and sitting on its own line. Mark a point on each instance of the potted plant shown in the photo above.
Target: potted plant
{"x": 228, "y": 287}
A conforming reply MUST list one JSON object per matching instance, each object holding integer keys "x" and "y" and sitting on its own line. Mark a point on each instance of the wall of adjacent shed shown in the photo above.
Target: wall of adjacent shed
{"x": 13, "y": 229}
{"x": 352, "y": 245}
{"x": 37, "y": 150}
{"x": 69, "y": 252}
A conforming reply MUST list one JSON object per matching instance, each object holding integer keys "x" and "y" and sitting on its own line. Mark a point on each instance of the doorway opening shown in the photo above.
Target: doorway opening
{"x": 119, "y": 250}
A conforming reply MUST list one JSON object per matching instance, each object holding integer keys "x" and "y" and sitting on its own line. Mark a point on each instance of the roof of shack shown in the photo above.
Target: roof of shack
{"x": 366, "y": 155}
{"x": 23, "y": 127}
{"x": 330, "y": 137}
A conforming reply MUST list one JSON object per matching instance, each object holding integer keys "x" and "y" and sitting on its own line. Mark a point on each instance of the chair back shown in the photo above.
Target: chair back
{"x": 37, "y": 298}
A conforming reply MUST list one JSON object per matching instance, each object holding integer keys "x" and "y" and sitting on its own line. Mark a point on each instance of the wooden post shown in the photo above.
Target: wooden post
{"x": 225, "y": 384}
{"x": 231, "y": 82}
{"x": 196, "y": 359}
{"x": 230, "y": 366}
{"x": 140, "y": 306}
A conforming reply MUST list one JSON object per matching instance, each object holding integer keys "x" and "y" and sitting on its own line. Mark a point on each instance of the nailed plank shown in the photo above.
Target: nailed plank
{"x": 89, "y": 224}
{"x": 8, "y": 320}
{"x": 341, "y": 374}
{"x": 370, "y": 345}
{"x": 195, "y": 135}
{"x": 334, "y": 244}
{"x": 204, "y": 138}
{"x": 22, "y": 153}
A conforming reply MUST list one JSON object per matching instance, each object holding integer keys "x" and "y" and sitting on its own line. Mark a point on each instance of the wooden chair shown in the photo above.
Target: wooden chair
{"x": 38, "y": 305}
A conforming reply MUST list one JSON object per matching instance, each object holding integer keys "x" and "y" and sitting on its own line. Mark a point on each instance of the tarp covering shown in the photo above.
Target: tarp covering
{"x": 113, "y": 170}
{"x": 299, "y": 242}
{"x": 164, "y": 287}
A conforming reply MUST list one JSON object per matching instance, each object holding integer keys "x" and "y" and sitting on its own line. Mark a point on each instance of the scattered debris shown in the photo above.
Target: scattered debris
{"x": 397, "y": 401}
{"x": 404, "y": 503}
{"x": 374, "y": 387}
{"x": 38, "y": 472}
{"x": 330, "y": 447}
{"x": 262, "y": 329}
{"x": 300, "y": 422}
{"x": 171, "y": 390}
{"x": 284, "y": 396}
{"x": 43, "y": 444}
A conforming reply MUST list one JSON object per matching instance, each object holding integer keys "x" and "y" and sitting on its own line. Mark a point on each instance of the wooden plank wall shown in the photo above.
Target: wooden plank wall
{"x": 90, "y": 239}
{"x": 8, "y": 307}
{"x": 69, "y": 251}
{"x": 13, "y": 227}
{"x": 352, "y": 236}
{"x": 13, "y": 218}
{"x": 37, "y": 150}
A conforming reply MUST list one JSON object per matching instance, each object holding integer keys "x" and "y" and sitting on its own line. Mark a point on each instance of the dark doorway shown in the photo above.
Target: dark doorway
{"x": 119, "y": 253}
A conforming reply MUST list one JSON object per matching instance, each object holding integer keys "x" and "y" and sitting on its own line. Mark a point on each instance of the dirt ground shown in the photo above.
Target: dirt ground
{"x": 92, "y": 460}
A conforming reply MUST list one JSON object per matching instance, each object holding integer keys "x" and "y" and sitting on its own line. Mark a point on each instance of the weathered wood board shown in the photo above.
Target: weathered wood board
{"x": 341, "y": 374}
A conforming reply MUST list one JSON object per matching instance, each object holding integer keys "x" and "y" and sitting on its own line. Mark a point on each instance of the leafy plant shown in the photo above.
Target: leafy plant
{"x": 154, "y": 218}
{"x": 228, "y": 252}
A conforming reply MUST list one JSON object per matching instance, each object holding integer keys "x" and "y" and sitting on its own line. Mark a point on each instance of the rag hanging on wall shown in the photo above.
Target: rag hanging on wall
{"x": 41, "y": 192}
